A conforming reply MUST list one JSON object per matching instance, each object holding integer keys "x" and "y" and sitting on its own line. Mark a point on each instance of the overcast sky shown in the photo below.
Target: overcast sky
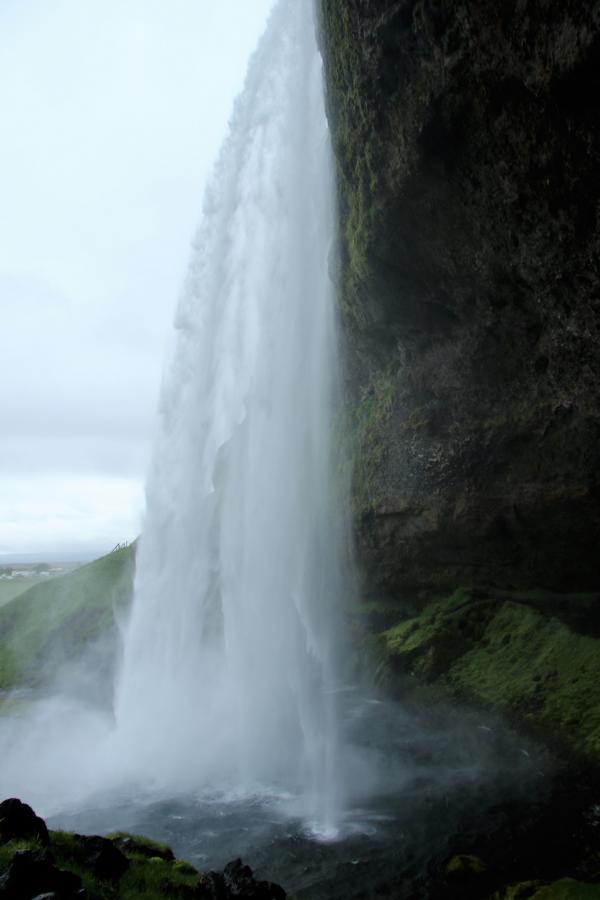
{"x": 112, "y": 112}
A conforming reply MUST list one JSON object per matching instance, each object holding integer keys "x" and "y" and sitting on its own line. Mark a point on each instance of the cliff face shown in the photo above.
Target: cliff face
{"x": 467, "y": 136}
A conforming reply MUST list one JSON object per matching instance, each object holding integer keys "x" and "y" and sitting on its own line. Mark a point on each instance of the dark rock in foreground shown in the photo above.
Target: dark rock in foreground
{"x": 239, "y": 882}
{"x": 19, "y": 822}
{"x": 32, "y": 872}
{"x": 35, "y": 864}
{"x": 100, "y": 856}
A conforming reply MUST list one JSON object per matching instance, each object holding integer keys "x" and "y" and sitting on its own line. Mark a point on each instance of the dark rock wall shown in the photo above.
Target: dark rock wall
{"x": 467, "y": 136}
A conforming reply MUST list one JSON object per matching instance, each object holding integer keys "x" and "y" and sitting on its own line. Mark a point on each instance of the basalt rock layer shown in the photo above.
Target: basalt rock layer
{"x": 467, "y": 138}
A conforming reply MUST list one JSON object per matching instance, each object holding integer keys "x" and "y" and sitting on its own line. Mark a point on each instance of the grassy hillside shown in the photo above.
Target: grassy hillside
{"x": 11, "y": 589}
{"x": 54, "y": 622}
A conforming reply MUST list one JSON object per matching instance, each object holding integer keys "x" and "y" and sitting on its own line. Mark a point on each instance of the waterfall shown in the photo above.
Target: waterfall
{"x": 229, "y": 670}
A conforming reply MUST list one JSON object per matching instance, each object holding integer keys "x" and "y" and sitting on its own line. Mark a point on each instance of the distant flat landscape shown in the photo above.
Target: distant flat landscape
{"x": 25, "y": 576}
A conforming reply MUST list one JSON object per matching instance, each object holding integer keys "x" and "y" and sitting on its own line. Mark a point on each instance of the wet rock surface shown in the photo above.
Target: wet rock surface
{"x": 467, "y": 141}
{"x": 240, "y": 882}
{"x": 100, "y": 857}
{"x": 32, "y": 872}
{"x": 19, "y": 822}
{"x": 237, "y": 881}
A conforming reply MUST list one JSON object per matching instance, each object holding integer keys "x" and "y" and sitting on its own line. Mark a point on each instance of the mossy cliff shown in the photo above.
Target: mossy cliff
{"x": 467, "y": 138}
{"x": 467, "y": 142}
{"x": 505, "y": 650}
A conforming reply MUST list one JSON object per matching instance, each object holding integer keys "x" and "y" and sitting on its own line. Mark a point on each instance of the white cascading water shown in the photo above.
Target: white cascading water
{"x": 228, "y": 675}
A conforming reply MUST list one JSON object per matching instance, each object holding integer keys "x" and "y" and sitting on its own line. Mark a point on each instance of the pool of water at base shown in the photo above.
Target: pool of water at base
{"x": 445, "y": 777}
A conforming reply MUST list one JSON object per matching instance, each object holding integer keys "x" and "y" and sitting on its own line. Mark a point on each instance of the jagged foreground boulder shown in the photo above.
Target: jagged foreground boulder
{"x": 18, "y": 822}
{"x": 32, "y": 873}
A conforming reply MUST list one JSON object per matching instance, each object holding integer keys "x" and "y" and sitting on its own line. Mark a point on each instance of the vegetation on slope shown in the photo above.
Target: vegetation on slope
{"x": 508, "y": 651}
{"x": 11, "y": 589}
{"x": 53, "y": 623}
{"x": 37, "y": 862}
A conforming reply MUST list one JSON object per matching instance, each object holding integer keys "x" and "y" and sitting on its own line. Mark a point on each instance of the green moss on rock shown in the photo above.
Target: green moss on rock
{"x": 156, "y": 878}
{"x": 522, "y": 891}
{"x": 465, "y": 866}
{"x": 146, "y": 878}
{"x": 136, "y": 845}
{"x": 568, "y": 889}
{"x": 564, "y": 889}
{"x": 508, "y": 656}
{"x": 539, "y": 669}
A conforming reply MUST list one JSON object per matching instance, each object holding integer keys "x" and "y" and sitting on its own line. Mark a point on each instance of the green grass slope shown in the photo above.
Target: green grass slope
{"x": 54, "y": 622}
{"x": 153, "y": 872}
{"x": 11, "y": 589}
